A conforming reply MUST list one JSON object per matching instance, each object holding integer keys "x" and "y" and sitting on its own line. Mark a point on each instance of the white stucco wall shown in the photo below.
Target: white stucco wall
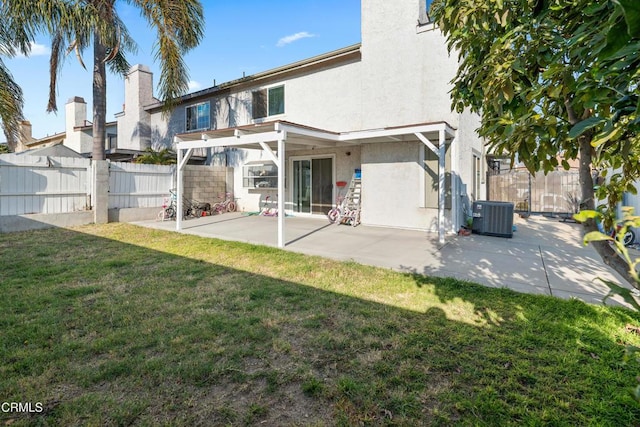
{"x": 330, "y": 99}
{"x": 392, "y": 193}
{"x": 405, "y": 72}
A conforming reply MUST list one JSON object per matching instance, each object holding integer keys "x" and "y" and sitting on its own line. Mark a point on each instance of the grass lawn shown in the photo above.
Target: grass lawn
{"x": 119, "y": 325}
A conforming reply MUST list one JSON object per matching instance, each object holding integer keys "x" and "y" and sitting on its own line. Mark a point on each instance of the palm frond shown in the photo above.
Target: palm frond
{"x": 180, "y": 27}
{"x": 11, "y": 104}
{"x": 55, "y": 63}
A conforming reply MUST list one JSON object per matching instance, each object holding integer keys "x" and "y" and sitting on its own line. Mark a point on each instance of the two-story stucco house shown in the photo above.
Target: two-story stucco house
{"x": 381, "y": 107}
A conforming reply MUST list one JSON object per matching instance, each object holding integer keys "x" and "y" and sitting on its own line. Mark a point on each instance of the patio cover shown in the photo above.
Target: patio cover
{"x": 273, "y": 137}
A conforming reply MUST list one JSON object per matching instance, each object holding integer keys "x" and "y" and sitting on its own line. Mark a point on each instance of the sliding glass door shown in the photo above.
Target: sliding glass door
{"x": 313, "y": 185}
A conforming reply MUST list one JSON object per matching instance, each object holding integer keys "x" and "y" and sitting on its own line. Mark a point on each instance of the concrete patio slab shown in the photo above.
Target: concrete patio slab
{"x": 545, "y": 255}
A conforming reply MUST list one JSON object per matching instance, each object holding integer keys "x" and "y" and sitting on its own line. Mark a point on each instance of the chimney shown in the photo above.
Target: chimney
{"x": 134, "y": 125}
{"x": 76, "y": 116}
{"x": 25, "y": 136}
{"x": 75, "y": 113}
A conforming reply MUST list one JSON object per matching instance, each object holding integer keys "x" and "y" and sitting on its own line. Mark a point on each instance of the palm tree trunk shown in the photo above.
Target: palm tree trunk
{"x": 99, "y": 97}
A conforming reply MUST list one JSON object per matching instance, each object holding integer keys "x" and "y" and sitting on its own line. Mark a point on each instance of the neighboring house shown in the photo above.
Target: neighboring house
{"x": 78, "y": 134}
{"x": 57, "y": 150}
{"x": 381, "y": 106}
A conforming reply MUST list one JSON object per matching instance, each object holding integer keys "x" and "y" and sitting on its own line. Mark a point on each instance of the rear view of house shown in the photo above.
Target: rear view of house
{"x": 380, "y": 107}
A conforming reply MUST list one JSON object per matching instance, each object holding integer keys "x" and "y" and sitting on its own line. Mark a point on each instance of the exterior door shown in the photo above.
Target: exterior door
{"x": 313, "y": 185}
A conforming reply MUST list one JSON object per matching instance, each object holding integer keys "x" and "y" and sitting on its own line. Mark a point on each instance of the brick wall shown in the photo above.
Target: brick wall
{"x": 207, "y": 183}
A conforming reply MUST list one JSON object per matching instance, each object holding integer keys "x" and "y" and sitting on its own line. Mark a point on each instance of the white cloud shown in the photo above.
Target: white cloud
{"x": 194, "y": 85}
{"x": 37, "y": 49}
{"x": 293, "y": 37}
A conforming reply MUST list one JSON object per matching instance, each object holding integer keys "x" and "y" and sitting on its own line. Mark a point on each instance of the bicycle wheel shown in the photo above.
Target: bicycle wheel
{"x": 333, "y": 215}
{"x": 629, "y": 237}
{"x": 231, "y": 207}
{"x": 355, "y": 219}
{"x": 170, "y": 213}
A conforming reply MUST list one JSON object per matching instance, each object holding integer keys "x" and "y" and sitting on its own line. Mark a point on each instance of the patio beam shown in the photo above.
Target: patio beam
{"x": 428, "y": 143}
{"x": 228, "y": 141}
{"x": 185, "y": 159}
{"x": 308, "y": 132}
{"x": 269, "y": 152}
{"x": 378, "y": 133}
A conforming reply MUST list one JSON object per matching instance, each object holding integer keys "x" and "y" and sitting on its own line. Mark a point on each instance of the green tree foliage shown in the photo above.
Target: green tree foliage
{"x": 11, "y": 101}
{"x": 161, "y": 157}
{"x": 75, "y": 25}
{"x": 553, "y": 80}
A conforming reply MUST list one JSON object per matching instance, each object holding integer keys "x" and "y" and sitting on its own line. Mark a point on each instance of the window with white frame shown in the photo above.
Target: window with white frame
{"x": 268, "y": 102}
{"x": 424, "y": 17}
{"x": 198, "y": 117}
{"x": 258, "y": 174}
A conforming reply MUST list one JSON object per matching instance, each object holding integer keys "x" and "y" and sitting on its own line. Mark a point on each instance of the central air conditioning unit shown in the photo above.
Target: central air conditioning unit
{"x": 492, "y": 218}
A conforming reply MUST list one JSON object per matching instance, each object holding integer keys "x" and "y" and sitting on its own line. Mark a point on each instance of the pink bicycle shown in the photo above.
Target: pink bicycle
{"x": 342, "y": 214}
{"x": 267, "y": 210}
{"x": 226, "y": 205}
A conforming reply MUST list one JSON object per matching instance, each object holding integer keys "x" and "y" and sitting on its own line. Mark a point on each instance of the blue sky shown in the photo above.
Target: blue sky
{"x": 241, "y": 36}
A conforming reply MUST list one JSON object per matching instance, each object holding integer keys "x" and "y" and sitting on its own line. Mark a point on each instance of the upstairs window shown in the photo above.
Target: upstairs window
{"x": 424, "y": 17}
{"x": 268, "y": 102}
{"x": 198, "y": 117}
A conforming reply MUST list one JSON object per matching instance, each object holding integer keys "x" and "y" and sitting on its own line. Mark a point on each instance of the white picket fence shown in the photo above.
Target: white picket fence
{"x": 30, "y": 184}
{"x": 139, "y": 186}
{"x": 51, "y": 185}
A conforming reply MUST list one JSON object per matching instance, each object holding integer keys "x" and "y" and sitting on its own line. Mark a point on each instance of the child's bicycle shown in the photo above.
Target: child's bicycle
{"x": 267, "y": 210}
{"x": 226, "y": 205}
{"x": 169, "y": 206}
{"x": 629, "y": 236}
{"x": 342, "y": 214}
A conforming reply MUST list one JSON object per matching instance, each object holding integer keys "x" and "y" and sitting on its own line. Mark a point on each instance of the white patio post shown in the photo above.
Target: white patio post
{"x": 179, "y": 189}
{"x": 456, "y": 212}
{"x": 441, "y": 184}
{"x": 281, "y": 213}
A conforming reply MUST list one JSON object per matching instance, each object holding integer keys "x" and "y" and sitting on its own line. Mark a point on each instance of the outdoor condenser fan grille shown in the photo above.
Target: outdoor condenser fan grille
{"x": 493, "y": 218}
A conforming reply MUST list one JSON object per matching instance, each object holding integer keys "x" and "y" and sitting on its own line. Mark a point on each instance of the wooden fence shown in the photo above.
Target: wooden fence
{"x": 54, "y": 185}
{"x": 139, "y": 186}
{"x": 556, "y": 192}
{"x": 30, "y": 184}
